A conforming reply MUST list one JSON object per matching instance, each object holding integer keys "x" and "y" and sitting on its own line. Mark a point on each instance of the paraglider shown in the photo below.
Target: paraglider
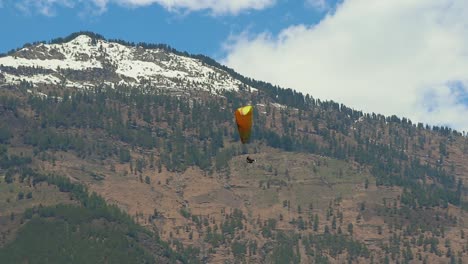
{"x": 244, "y": 125}
{"x": 249, "y": 160}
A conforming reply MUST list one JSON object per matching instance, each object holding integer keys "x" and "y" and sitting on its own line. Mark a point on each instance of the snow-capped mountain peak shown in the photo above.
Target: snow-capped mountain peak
{"x": 85, "y": 61}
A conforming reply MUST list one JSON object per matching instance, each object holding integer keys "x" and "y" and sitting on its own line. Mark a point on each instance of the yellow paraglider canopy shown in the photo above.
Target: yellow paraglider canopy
{"x": 244, "y": 122}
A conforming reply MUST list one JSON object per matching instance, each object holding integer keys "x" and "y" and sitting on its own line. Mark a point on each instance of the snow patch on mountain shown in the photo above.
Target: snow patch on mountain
{"x": 52, "y": 64}
{"x": 37, "y": 79}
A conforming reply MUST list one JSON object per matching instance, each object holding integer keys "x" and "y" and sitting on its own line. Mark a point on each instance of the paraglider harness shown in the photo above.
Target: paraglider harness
{"x": 249, "y": 160}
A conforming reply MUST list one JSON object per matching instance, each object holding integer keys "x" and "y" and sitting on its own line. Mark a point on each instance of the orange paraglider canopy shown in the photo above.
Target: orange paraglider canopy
{"x": 244, "y": 122}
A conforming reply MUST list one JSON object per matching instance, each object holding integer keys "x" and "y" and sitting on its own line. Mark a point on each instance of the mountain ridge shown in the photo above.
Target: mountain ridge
{"x": 130, "y": 65}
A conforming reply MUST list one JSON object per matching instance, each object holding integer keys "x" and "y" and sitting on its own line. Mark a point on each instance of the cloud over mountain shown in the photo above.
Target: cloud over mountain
{"x": 389, "y": 56}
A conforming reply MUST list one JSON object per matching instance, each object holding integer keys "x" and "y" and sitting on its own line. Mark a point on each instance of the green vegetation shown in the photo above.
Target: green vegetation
{"x": 71, "y": 234}
{"x": 284, "y": 249}
{"x": 92, "y": 232}
{"x": 334, "y": 245}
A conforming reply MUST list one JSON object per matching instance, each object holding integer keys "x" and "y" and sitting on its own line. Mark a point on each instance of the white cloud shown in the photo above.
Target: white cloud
{"x": 320, "y": 5}
{"x": 383, "y": 56}
{"x": 216, "y": 7}
{"x": 44, "y": 7}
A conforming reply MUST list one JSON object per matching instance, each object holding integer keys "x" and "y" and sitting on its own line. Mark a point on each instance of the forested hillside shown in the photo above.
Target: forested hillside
{"x": 331, "y": 184}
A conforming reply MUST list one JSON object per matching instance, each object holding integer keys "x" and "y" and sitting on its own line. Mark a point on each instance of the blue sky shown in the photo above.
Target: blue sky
{"x": 200, "y": 31}
{"x": 401, "y": 57}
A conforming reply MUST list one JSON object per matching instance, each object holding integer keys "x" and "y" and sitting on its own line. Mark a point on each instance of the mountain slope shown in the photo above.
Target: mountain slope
{"x": 330, "y": 183}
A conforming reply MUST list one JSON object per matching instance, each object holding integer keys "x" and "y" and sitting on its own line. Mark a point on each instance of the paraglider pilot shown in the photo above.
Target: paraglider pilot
{"x": 244, "y": 125}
